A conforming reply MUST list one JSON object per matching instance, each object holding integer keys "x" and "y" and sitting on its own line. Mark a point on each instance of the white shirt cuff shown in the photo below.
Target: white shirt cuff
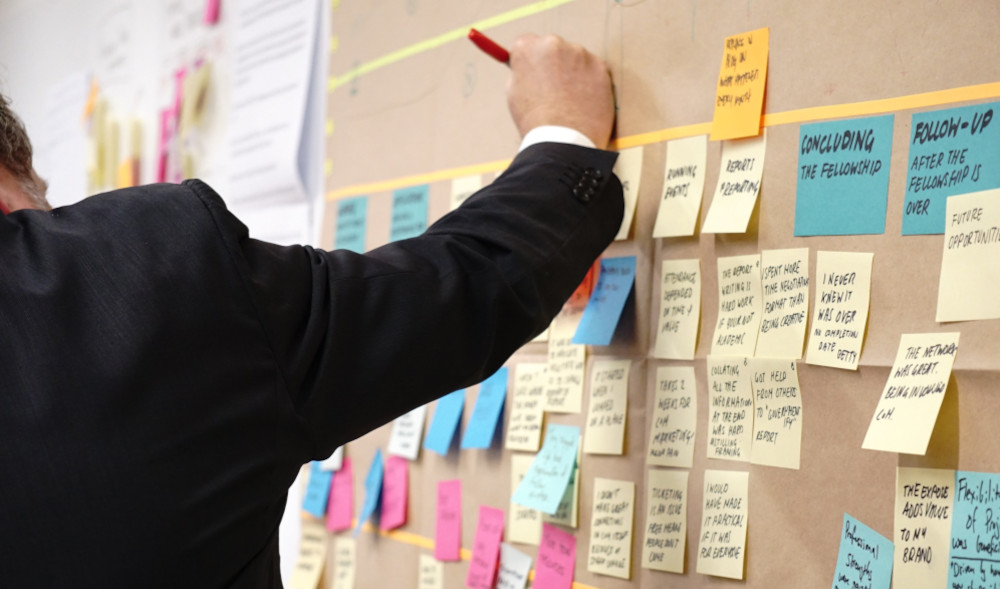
{"x": 554, "y": 134}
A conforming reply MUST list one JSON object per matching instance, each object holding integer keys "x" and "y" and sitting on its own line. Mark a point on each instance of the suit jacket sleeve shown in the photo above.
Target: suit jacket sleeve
{"x": 362, "y": 339}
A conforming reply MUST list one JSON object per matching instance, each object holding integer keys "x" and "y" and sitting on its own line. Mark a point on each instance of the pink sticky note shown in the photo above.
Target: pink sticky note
{"x": 394, "y": 493}
{"x": 448, "y": 531}
{"x": 556, "y": 559}
{"x": 340, "y": 507}
{"x": 212, "y": 12}
{"x": 486, "y": 549}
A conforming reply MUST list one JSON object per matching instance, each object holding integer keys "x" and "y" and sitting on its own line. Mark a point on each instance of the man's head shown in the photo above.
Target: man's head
{"x": 20, "y": 186}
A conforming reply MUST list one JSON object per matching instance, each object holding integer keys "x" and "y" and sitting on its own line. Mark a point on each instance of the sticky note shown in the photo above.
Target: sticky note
{"x": 628, "y": 168}
{"x": 373, "y": 490}
{"x": 970, "y": 268}
{"x": 675, "y": 417}
{"x": 840, "y": 311}
{"x": 974, "y": 529}
{"x": 514, "y": 568}
{"x": 489, "y": 404}
{"x": 567, "y": 513}
{"x": 545, "y": 483}
{"x": 352, "y": 219}
{"x": 683, "y": 187}
{"x": 665, "y": 534}
{"x": 430, "y": 574}
{"x": 738, "y": 185}
{"x": 524, "y": 428}
{"x": 335, "y": 461}
{"x": 448, "y": 526}
{"x": 566, "y": 362}
{"x": 777, "y": 424}
{"x": 344, "y": 562}
{"x": 905, "y": 415}
{"x": 730, "y": 408}
{"x": 785, "y": 284}
{"x": 722, "y": 543}
{"x": 922, "y": 527}
{"x": 680, "y": 309}
{"x": 864, "y": 559}
{"x": 447, "y": 414}
{"x": 485, "y": 549}
{"x": 312, "y": 556}
{"x": 340, "y": 509}
{"x": 525, "y": 523}
{"x": 611, "y": 528}
{"x": 211, "y": 15}
{"x": 608, "y": 407}
{"x": 464, "y": 187}
{"x": 407, "y": 429}
{"x": 317, "y": 491}
{"x": 556, "y": 559}
{"x": 739, "y": 96}
{"x": 409, "y": 212}
{"x": 600, "y": 318}
{"x": 740, "y": 306}
{"x": 395, "y": 493}
{"x": 842, "y": 182}
{"x": 952, "y": 151}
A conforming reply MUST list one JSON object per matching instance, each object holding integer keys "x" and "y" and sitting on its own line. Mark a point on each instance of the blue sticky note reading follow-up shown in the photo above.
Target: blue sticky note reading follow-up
{"x": 373, "y": 490}
{"x": 865, "y": 557}
{"x": 352, "y": 215}
{"x": 604, "y": 309}
{"x": 409, "y": 212}
{"x": 447, "y": 414}
{"x": 974, "y": 529}
{"x": 318, "y": 489}
{"x": 952, "y": 151}
{"x": 843, "y": 177}
{"x": 544, "y": 485}
{"x": 485, "y": 415}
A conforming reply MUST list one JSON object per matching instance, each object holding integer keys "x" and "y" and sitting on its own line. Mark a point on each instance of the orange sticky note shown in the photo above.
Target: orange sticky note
{"x": 739, "y": 96}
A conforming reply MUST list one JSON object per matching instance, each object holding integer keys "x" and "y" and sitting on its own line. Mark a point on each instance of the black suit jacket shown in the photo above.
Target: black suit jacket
{"x": 164, "y": 375}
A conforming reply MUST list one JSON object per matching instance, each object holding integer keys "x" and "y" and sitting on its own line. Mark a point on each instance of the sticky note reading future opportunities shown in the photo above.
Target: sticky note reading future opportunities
{"x": 974, "y": 528}
{"x": 724, "y": 524}
{"x": 447, "y": 414}
{"x": 864, "y": 559}
{"x": 628, "y": 168}
{"x": 485, "y": 549}
{"x": 611, "y": 528}
{"x": 524, "y": 429}
{"x": 404, "y": 440}
{"x": 485, "y": 415}
{"x": 730, "y": 409}
{"x": 565, "y": 371}
{"x": 777, "y": 424}
{"x": 556, "y": 559}
{"x": 409, "y": 212}
{"x": 341, "y": 504}
{"x": 318, "y": 490}
{"x": 739, "y": 96}
{"x": 605, "y": 433}
{"x": 600, "y": 318}
{"x": 666, "y": 522}
{"x": 785, "y": 283}
{"x": 843, "y": 177}
{"x": 544, "y": 485}
{"x": 680, "y": 309}
{"x": 448, "y": 521}
{"x": 922, "y": 527}
{"x": 683, "y": 187}
{"x": 840, "y": 311}
{"x": 905, "y": 415}
{"x": 395, "y": 493}
{"x": 373, "y": 490}
{"x": 970, "y": 268}
{"x": 737, "y": 187}
{"x": 740, "y": 306}
{"x": 952, "y": 151}
{"x": 351, "y": 223}
{"x": 675, "y": 418}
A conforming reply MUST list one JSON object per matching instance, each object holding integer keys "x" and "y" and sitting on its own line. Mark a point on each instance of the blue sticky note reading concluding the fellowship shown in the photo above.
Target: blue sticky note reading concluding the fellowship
{"x": 952, "y": 151}
{"x": 974, "y": 529}
{"x": 483, "y": 423}
{"x": 352, "y": 215}
{"x": 409, "y": 212}
{"x": 447, "y": 414}
{"x": 318, "y": 490}
{"x": 544, "y": 485}
{"x": 843, "y": 177}
{"x": 604, "y": 309}
{"x": 865, "y": 557}
{"x": 373, "y": 490}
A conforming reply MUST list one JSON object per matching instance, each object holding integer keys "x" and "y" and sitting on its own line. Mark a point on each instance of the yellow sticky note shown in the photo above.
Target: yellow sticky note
{"x": 970, "y": 268}
{"x": 737, "y": 187}
{"x": 777, "y": 424}
{"x": 683, "y": 187}
{"x": 431, "y": 573}
{"x": 722, "y": 544}
{"x": 680, "y": 309}
{"x": 730, "y": 408}
{"x": 740, "y": 306}
{"x": 344, "y": 562}
{"x": 840, "y": 311}
{"x": 675, "y": 418}
{"x": 922, "y": 527}
{"x": 88, "y": 107}
{"x": 628, "y": 168}
{"x": 524, "y": 428}
{"x": 126, "y": 174}
{"x": 312, "y": 556}
{"x": 564, "y": 389}
{"x": 464, "y": 187}
{"x": 666, "y": 522}
{"x": 611, "y": 528}
{"x": 525, "y": 524}
{"x": 608, "y": 407}
{"x": 739, "y": 96}
{"x": 906, "y": 413}
{"x": 785, "y": 284}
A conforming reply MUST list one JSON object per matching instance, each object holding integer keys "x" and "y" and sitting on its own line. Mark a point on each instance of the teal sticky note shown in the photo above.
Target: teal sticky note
{"x": 352, "y": 215}
{"x": 864, "y": 559}
{"x": 952, "y": 151}
{"x": 317, "y": 490}
{"x": 447, "y": 414}
{"x": 373, "y": 490}
{"x": 489, "y": 404}
{"x": 409, "y": 212}
{"x": 604, "y": 309}
{"x": 544, "y": 485}
{"x": 975, "y": 530}
{"x": 842, "y": 181}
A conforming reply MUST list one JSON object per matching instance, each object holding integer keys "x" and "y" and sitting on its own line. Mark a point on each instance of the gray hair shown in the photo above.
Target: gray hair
{"x": 15, "y": 154}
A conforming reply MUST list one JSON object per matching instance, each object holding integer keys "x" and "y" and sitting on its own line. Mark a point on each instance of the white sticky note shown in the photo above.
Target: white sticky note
{"x": 722, "y": 543}
{"x": 567, "y": 361}
{"x": 680, "y": 309}
{"x": 407, "y": 431}
{"x": 675, "y": 417}
{"x": 666, "y": 521}
{"x": 525, "y": 524}
{"x": 730, "y": 408}
{"x": 739, "y": 183}
{"x": 431, "y": 573}
{"x": 628, "y": 168}
{"x": 970, "y": 268}
{"x": 683, "y": 187}
{"x": 740, "y": 306}
{"x": 611, "y": 528}
{"x": 524, "y": 428}
{"x": 777, "y": 424}
{"x": 312, "y": 556}
{"x": 344, "y": 562}
{"x": 464, "y": 187}
{"x": 514, "y": 568}
{"x": 607, "y": 408}
{"x": 840, "y": 312}
{"x": 335, "y": 461}
{"x": 785, "y": 286}
{"x": 922, "y": 527}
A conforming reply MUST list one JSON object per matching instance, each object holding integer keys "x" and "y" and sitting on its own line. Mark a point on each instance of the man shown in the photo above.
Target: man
{"x": 164, "y": 375}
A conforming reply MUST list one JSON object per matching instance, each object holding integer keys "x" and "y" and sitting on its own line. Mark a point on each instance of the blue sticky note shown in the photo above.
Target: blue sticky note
{"x": 485, "y": 415}
{"x": 544, "y": 485}
{"x": 352, "y": 215}
{"x": 604, "y": 309}
{"x": 373, "y": 490}
{"x": 843, "y": 177}
{"x": 952, "y": 151}
{"x": 409, "y": 212}
{"x": 975, "y": 530}
{"x": 447, "y": 414}
{"x": 865, "y": 557}
{"x": 317, "y": 490}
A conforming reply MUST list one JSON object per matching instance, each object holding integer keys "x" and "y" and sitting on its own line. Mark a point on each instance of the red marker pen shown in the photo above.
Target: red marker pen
{"x": 489, "y": 46}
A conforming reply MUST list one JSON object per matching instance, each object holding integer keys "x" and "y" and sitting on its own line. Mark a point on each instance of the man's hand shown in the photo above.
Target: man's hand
{"x": 554, "y": 82}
